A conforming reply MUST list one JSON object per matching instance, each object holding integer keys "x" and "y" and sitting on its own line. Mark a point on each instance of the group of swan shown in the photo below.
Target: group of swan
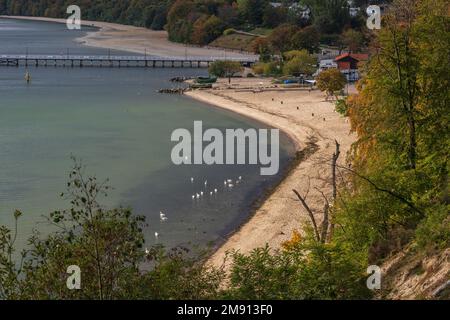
{"x": 227, "y": 183}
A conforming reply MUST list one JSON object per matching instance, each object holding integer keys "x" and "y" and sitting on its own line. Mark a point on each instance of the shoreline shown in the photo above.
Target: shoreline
{"x": 277, "y": 213}
{"x": 134, "y": 39}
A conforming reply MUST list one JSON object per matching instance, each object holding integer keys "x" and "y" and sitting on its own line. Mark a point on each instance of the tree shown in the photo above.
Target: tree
{"x": 331, "y": 81}
{"x": 213, "y": 28}
{"x": 299, "y": 62}
{"x": 329, "y": 16}
{"x": 400, "y": 116}
{"x": 281, "y": 38}
{"x": 107, "y": 246}
{"x": 252, "y": 10}
{"x": 261, "y": 46}
{"x": 179, "y": 24}
{"x": 307, "y": 38}
{"x": 352, "y": 39}
{"x": 403, "y": 76}
{"x": 273, "y": 17}
{"x": 225, "y": 68}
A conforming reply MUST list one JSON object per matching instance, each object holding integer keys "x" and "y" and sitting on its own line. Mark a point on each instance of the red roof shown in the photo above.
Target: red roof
{"x": 356, "y": 56}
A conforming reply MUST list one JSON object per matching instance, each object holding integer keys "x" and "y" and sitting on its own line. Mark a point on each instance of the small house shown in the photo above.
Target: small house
{"x": 348, "y": 64}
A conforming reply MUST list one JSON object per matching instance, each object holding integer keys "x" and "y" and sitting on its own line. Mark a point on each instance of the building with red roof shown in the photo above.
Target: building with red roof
{"x": 348, "y": 64}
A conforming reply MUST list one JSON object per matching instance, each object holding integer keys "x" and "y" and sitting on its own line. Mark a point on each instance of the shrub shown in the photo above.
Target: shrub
{"x": 258, "y": 68}
{"x": 229, "y": 31}
{"x": 299, "y": 62}
{"x": 307, "y": 270}
{"x": 434, "y": 230}
{"x": 341, "y": 107}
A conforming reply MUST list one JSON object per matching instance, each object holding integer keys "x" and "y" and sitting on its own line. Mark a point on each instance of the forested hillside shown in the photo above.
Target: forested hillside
{"x": 143, "y": 13}
{"x": 202, "y": 21}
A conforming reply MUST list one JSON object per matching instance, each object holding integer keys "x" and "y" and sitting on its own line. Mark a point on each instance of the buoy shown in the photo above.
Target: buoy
{"x": 27, "y": 77}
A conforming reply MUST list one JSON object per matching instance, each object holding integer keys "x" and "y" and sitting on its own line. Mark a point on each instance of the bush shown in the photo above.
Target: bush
{"x": 307, "y": 270}
{"x": 229, "y": 31}
{"x": 299, "y": 62}
{"x": 225, "y": 68}
{"x": 272, "y": 69}
{"x": 258, "y": 68}
{"x": 434, "y": 230}
{"x": 341, "y": 107}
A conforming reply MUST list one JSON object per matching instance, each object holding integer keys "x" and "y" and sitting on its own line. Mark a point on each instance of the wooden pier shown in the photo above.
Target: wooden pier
{"x": 112, "y": 61}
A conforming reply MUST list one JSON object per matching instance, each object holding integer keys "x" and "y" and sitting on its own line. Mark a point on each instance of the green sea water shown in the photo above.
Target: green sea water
{"x": 116, "y": 123}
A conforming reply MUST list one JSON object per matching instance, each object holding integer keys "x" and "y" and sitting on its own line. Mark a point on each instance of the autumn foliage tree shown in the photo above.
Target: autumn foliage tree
{"x": 400, "y": 115}
{"x": 331, "y": 81}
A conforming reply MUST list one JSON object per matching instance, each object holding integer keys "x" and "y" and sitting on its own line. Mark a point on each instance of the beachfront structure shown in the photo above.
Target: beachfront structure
{"x": 325, "y": 64}
{"x": 348, "y": 64}
{"x": 116, "y": 61}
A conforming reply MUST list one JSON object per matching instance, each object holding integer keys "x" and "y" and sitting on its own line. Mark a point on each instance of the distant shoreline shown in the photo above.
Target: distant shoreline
{"x": 135, "y": 39}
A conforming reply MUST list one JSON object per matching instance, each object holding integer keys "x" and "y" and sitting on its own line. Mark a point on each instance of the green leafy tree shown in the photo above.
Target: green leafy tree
{"x": 400, "y": 161}
{"x": 331, "y": 81}
{"x": 352, "y": 40}
{"x": 107, "y": 246}
{"x": 281, "y": 38}
{"x": 307, "y": 38}
{"x": 329, "y": 16}
{"x": 225, "y": 68}
{"x": 299, "y": 62}
{"x": 252, "y": 10}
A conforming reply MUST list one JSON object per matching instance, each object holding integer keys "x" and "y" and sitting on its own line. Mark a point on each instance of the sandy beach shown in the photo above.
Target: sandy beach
{"x": 138, "y": 40}
{"x": 313, "y": 125}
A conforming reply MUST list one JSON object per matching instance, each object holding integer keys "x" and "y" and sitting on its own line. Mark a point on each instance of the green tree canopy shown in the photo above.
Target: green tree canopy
{"x": 331, "y": 81}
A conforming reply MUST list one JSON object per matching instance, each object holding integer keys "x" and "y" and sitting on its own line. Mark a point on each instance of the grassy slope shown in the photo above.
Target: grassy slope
{"x": 234, "y": 41}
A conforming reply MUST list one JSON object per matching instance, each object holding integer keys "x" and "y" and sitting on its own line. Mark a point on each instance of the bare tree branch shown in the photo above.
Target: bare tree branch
{"x": 311, "y": 214}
